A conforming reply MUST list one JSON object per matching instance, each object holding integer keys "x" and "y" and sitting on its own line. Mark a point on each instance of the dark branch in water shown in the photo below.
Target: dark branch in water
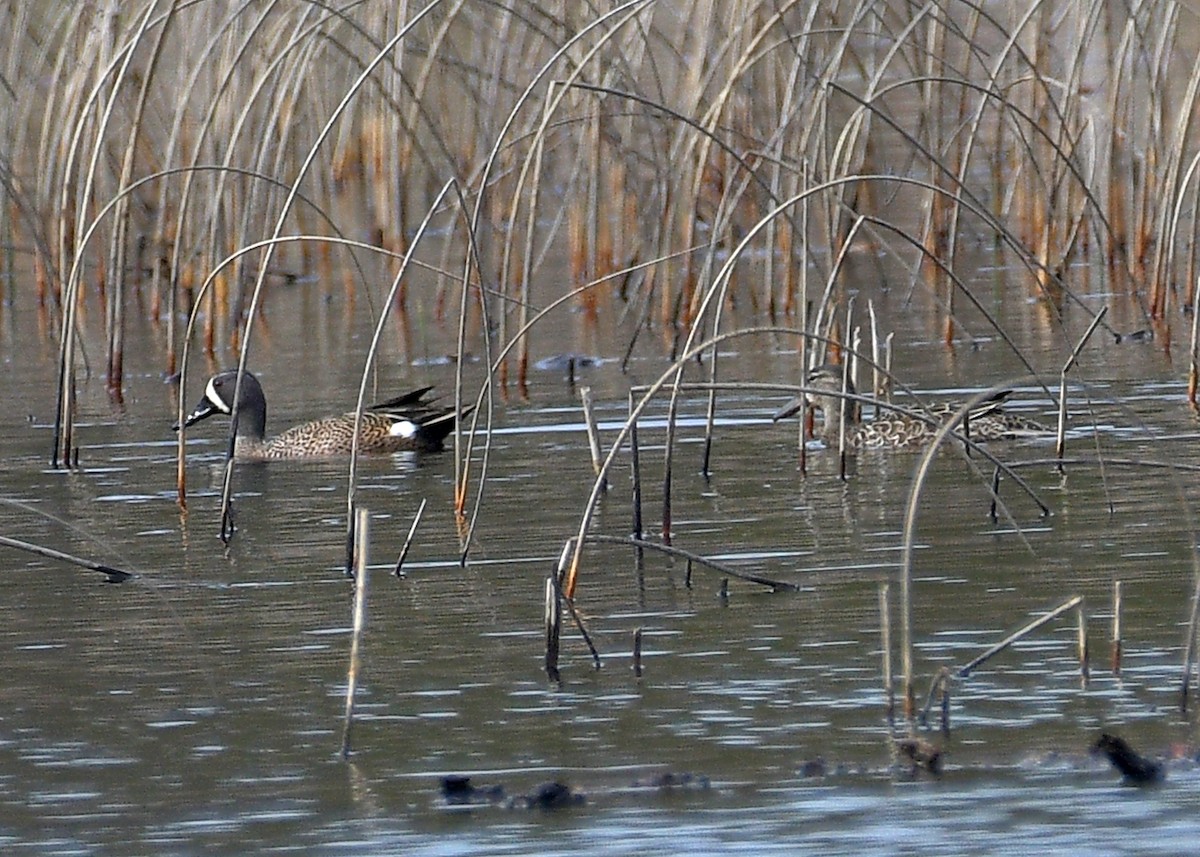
{"x": 719, "y": 567}
{"x": 115, "y": 575}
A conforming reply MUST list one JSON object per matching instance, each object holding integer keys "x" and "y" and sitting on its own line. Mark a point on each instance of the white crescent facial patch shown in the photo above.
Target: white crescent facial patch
{"x": 213, "y": 396}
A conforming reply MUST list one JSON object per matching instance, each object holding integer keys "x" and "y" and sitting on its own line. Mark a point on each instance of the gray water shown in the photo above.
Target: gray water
{"x": 197, "y": 708}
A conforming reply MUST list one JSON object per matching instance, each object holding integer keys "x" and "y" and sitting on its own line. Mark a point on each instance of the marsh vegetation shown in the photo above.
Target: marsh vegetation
{"x": 683, "y": 205}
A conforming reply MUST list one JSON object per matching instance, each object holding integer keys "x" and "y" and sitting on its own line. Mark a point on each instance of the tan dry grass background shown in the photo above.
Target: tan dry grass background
{"x": 679, "y": 156}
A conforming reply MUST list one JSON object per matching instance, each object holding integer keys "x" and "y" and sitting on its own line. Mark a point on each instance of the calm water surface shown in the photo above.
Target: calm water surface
{"x": 197, "y": 709}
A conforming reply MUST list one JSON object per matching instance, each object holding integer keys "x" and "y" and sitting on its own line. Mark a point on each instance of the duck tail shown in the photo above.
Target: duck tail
{"x": 991, "y": 405}
{"x": 415, "y": 399}
{"x": 436, "y": 427}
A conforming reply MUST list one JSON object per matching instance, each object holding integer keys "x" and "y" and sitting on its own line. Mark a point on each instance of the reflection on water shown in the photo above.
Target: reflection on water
{"x": 198, "y": 707}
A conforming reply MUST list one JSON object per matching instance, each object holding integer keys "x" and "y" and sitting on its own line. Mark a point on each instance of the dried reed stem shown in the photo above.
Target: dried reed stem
{"x": 1061, "y": 442}
{"x": 553, "y": 615}
{"x": 939, "y": 689}
{"x": 593, "y": 433}
{"x": 1019, "y": 634}
{"x": 115, "y": 575}
{"x": 1082, "y": 640}
{"x": 1117, "y": 644}
{"x": 1189, "y": 645}
{"x": 362, "y": 521}
{"x": 635, "y": 468}
{"x": 668, "y": 460}
{"x": 842, "y": 423}
{"x": 408, "y": 540}
{"x": 885, "y": 643}
{"x": 552, "y": 621}
{"x": 721, "y": 568}
{"x": 372, "y": 353}
{"x": 995, "y": 494}
{"x": 1194, "y": 360}
{"x": 876, "y": 380}
{"x": 910, "y": 522}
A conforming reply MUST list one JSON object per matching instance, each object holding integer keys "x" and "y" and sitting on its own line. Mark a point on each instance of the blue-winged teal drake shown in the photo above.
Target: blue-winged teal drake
{"x": 986, "y": 421}
{"x": 407, "y": 422}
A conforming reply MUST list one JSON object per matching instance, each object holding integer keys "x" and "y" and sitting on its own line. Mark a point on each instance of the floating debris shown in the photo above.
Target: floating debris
{"x": 567, "y": 363}
{"x": 459, "y": 791}
{"x": 1143, "y": 335}
{"x": 916, "y": 756}
{"x": 549, "y": 796}
{"x": 672, "y": 780}
{"x": 1135, "y": 769}
{"x": 813, "y": 768}
{"x": 445, "y": 359}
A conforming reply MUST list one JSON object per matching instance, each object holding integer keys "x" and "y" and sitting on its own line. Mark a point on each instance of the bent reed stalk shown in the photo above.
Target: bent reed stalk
{"x": 621, "y": 161}
{"x": 607, "y": 102}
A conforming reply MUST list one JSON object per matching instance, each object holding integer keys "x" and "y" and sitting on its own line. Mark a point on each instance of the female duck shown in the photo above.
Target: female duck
{"x": 986, "y": 421}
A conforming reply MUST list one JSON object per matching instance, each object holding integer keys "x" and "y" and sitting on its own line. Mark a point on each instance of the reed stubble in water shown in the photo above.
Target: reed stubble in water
{"x": 885, "y": 646}
{"x": 398, "y": 571}
{"x": 593, "y": 433}
{"x": 362, "y": 519}
{"x": 1024, "y": 631}
{"x": 552, "y": 622}
{"x": 115, "y": 575}
{"x": 1116, "y": 628}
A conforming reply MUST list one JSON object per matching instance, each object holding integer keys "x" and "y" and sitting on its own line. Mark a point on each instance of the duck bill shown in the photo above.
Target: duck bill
{"x": 203, "y": 411}
{"x": 789, "y": 409}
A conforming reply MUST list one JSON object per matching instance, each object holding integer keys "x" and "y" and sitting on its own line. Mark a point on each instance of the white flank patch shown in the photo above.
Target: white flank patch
{"x": 213, "y": 396}
{"x": 403, "y": 428}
